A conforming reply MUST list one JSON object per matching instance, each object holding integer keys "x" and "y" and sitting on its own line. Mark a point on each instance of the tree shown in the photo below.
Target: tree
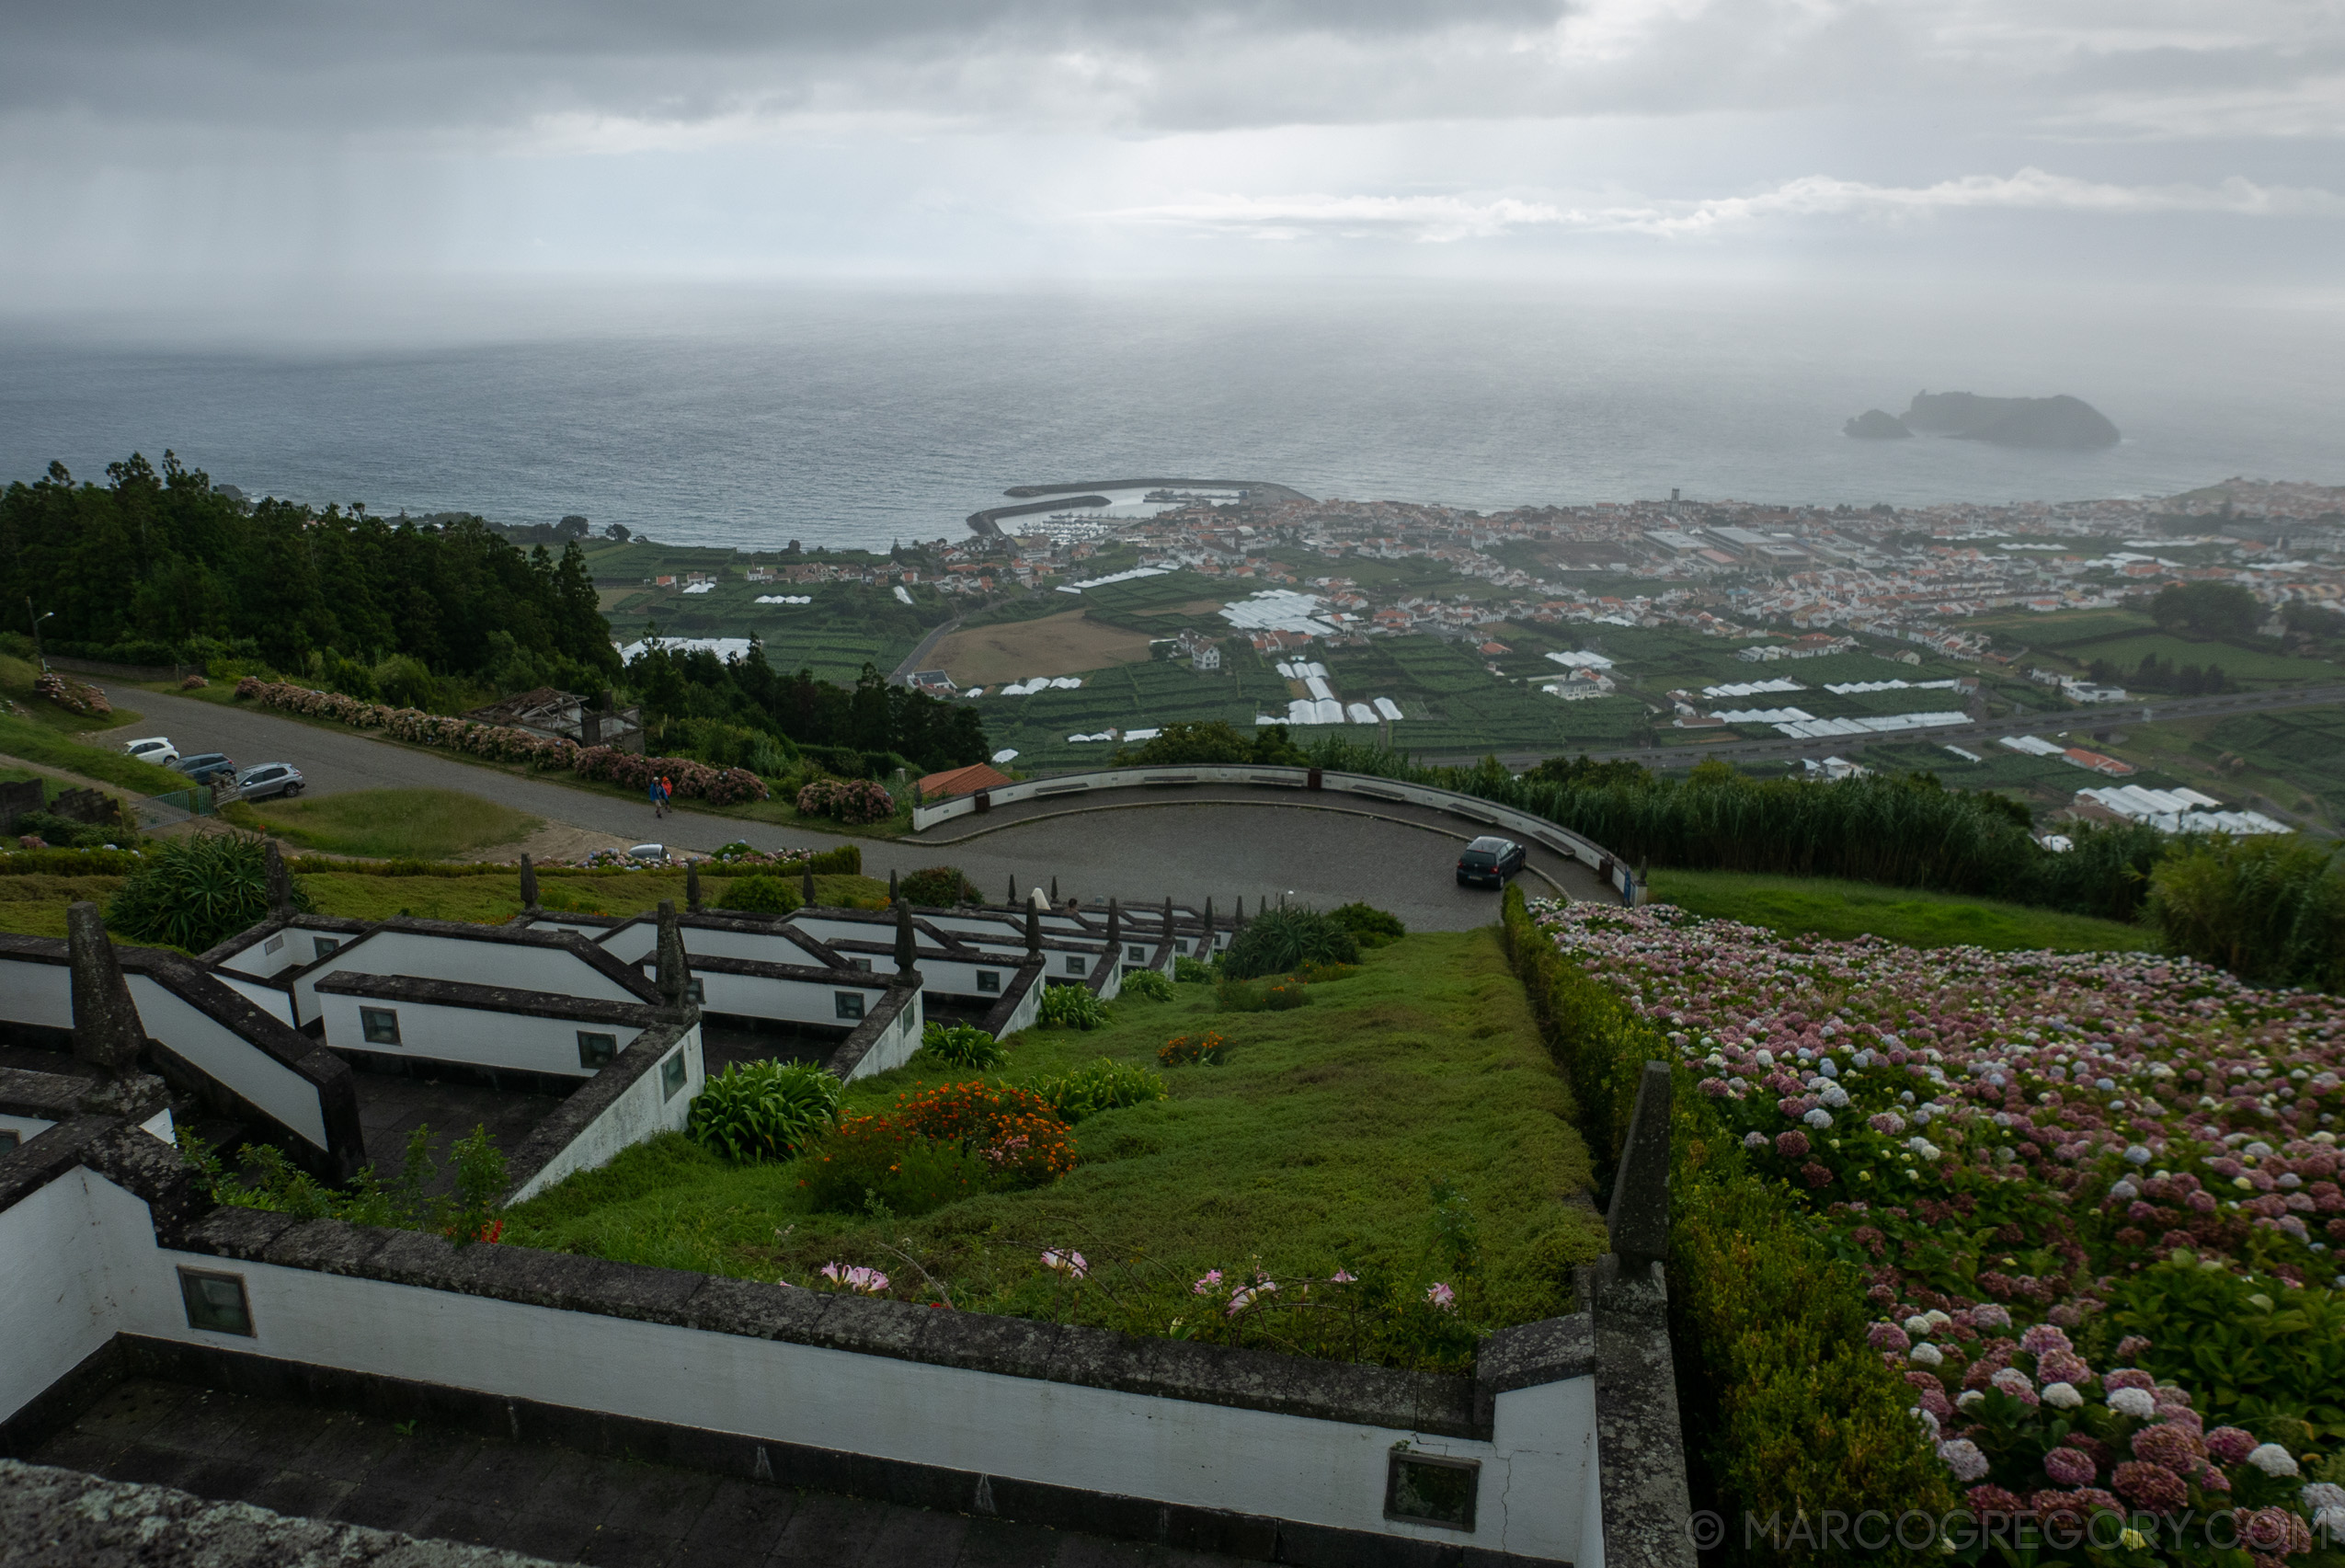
{"x": 2209, "y": 609}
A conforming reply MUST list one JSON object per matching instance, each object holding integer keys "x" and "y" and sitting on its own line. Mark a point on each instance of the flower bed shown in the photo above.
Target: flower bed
{"x": 2014, "y": 1151}
{"x": 501, "y": 743}
{"x": 71, "y": 695}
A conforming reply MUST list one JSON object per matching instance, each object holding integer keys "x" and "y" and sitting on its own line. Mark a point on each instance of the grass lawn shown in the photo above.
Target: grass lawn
{"x": 17, "y": 676}
{"x": 1798, "y": 905}
{"x": 35, "y": 905}
{"x": 1324, "y": 1142}
{"x": 35, "y": 742}
{"x": 390, "y": 824}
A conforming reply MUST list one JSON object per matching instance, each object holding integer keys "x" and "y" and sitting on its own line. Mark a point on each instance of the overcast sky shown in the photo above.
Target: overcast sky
{"x": 152, "y": 144}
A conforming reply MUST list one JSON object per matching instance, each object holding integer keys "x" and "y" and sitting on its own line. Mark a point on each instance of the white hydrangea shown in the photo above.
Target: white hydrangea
{"x": 1969, "y": 1399}
{"x": 1818, "y": 1119}
{"x": 2137, "y": 1403}
{"x": 2271, "y": 1458}
{"x": 1918, "y": 1323}
{"x": 2323, "y": 1494}
{"x": 1925, "y": 1355}
{"x": 2062, "y": 1396}
{"x": 1963, "y": 1458}
{"x": 1835, "y": 1096}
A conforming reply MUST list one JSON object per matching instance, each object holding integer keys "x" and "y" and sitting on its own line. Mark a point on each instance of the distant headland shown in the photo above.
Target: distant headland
{"x": 2060, "y": 423}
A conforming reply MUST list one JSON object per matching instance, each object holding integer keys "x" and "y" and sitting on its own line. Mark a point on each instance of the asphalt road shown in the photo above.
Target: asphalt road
{"x": 2109, "y": 716}
{"x": 1400, "y": 859}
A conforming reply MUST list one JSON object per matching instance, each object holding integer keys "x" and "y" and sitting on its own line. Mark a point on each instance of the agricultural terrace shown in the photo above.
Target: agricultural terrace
{"x": 2090, "y": 1200}
{"x": 1384, "y": 1173}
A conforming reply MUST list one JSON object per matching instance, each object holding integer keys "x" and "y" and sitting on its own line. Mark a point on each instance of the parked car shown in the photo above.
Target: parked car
{"x": 1489, "y": 861}
{"x": 206, "y": 767}
{"x": 155, "y": 749}
{"x": 261, "y": 782}
{"x": 647, "y": 852}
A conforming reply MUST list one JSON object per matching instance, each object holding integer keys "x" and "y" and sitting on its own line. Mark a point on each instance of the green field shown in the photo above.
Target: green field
{"x": 35, "y": 742}
{"x": 35, "y": 905}
{"x": 390, "y": 824}
{"x": 1796, "y": 905}
{"x": 1317, "y": 1144}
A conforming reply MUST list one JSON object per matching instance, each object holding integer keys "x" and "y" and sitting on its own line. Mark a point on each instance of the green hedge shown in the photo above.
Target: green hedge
{"x": 1787, "y": 1408}
{"x": 847, "y": 859}
{"x": 69, "y": 863}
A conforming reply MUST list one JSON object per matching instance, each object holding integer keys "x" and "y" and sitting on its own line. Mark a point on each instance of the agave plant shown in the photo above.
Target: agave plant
{"x": 196, "y": 892}
{"x": 764, "y": 1110}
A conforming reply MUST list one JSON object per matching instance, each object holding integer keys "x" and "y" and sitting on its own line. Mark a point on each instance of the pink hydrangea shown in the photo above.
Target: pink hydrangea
{"x": 2175, "y": 1448}
{"x": 1888, "y": 1336}
{"x": 2150, "y": 1486}
{"x": 2130, "y": 1378}
{"x": 2069, "y": 1467}
{"x": 1793, "y": 1145}
{"x": 2042, "y": 1338}
{"x": 2230, "y": 1445}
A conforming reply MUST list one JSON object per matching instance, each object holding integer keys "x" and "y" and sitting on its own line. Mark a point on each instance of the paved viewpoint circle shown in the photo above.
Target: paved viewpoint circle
{"x": 1139, "y": 845}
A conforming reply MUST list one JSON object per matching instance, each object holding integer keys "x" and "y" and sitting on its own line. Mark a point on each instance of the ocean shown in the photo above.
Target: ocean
{"x": 749, "y": 417}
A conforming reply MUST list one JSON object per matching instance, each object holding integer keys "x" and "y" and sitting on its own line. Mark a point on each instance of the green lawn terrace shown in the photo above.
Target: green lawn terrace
{"x": 846, "y": 626}
{"x": 1407, "y": 1127}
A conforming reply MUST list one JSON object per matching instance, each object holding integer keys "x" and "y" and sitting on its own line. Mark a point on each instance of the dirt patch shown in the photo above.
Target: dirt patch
{"x": 555, "y": 841}
{"x": 1067, "y": 644}
{"x": 1194, "y": 607}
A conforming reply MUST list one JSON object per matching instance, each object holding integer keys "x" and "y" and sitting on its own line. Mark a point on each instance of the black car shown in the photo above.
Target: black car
{"x": 206, "y": 767}
{"x": 1489, "y": 861}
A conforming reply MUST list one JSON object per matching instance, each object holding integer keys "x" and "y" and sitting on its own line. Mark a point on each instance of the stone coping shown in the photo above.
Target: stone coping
{"x": 850, "y": 1052}
{"x": 488, "y": 999}
{"x": 760, "y": 968}
{"x": 1013, "y": 995}
{"x": 1548, "y": 1351}
{"x": 253, "y": 936}
{"x": 589, "y": 1100}
{"x": 594, "y": 956}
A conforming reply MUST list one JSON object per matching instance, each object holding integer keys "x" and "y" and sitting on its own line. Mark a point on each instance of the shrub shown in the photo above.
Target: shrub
{"x": 1208, "y": 1050}
{"x": 760, "y": 894}
{"x": 266, "y": 1180}
{"x": 55, "y": 832}
{"x": 938, "y": 886}
{"x": 1147, "y": 984}
{"x": 1190, "y": 971}
{"x": 71, "y": 695}
{"x": 872, "y": 1165}
{"x": 1240, "y": 996}
{"x": 963, "y": 1046}
{"x": 1319, "y": 974}
{"x": 1286, "y": 995}
{"x": 764, "y": 1110}
{"x": 852, "y": 801}
{"x": 1102, "y": 1085}
{"x": 1022, "y": 1140}
{"x": 1278, "y": 941}
{"x": 1072, "y": 1007}
{"x": 1369, "y": 926}
{"x": 196, "y": 892}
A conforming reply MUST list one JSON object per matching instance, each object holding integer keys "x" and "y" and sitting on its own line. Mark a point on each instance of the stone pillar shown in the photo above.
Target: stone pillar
{"x": 893, "y": 896}
{"x": 1053, "y": 892}
{"x": 673, "y": 976}
{"x": 1639, "y": 1220}
{"x": 692, "y": 886}
{"x": 805, "y": 880}
{"x": 1204, "y": 953}
{"x": 107, "y": 1032}
{"x": 529, "y": 884}
{"x": 1168, "y": 917}
{"x": 1013, "y": 892}
{"x": 1114, "y": 930}
{"x": 907, "y": 944}
{"x": 280, "y": 881}
{"x": 1034, "y": 929}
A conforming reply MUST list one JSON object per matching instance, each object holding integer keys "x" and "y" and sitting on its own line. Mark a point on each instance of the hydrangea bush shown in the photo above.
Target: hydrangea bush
{"x": 503, "y": 743}
{"x": 2003, "y": 1144}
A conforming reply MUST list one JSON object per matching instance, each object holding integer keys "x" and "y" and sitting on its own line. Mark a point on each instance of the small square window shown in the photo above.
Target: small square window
{"x": 695, "y": 989}
{"x": 671, "y": 1076}
{"x": 380, "y": 1024}
{"x": 1136, "y": 953}
{"x": 596, "y": 1050}
{"x": 1181, "y": 945}
{"x": 274, "y": 944}
{"x": 324, "y": 944}
{"x": 1077, "y": 963}
{"x": 9, "y": 1138}
{"x": 863, "y": 964}
{"x": 1425, "y": 1489}
{"x": 215, "y": 1301}
{"x": 849, "y": 1003}
{"x": 990, "y": 981}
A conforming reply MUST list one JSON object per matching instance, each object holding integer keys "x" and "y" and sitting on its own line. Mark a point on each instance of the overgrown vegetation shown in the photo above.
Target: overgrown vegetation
{"x": 269, "y": 1181}
{"x": 762, "y": 894}
{"x": 1278, "y": 942}
{"x": 196, "y": 892}
{"x": 962, "y": 1046}
{"x": 1147, "y": 985}
{"x": 1072, "y": 1007}
{"x": 1906, "y": 832}
{"x": 1407, "y": 1133}
{"x": 2271, "y": 911}
{"x": 939, "y": 885}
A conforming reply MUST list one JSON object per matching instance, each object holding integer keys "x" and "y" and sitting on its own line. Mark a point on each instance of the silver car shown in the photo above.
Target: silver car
{"x": 261, "y": 782}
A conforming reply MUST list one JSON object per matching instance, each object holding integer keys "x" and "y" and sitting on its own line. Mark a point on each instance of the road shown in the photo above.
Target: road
{"x": 1399, "y": 859}
{"x": 2105, "y": 717}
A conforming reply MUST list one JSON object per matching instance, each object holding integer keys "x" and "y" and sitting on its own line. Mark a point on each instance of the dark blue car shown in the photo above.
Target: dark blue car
{"x": 1488, "y": 861}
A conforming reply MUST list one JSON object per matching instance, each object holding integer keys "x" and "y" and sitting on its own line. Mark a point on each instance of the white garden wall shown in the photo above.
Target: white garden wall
{"x": 483, "y": 962}
{"x": 648, "y": 1106}
{"x": 229, "y": 1059}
